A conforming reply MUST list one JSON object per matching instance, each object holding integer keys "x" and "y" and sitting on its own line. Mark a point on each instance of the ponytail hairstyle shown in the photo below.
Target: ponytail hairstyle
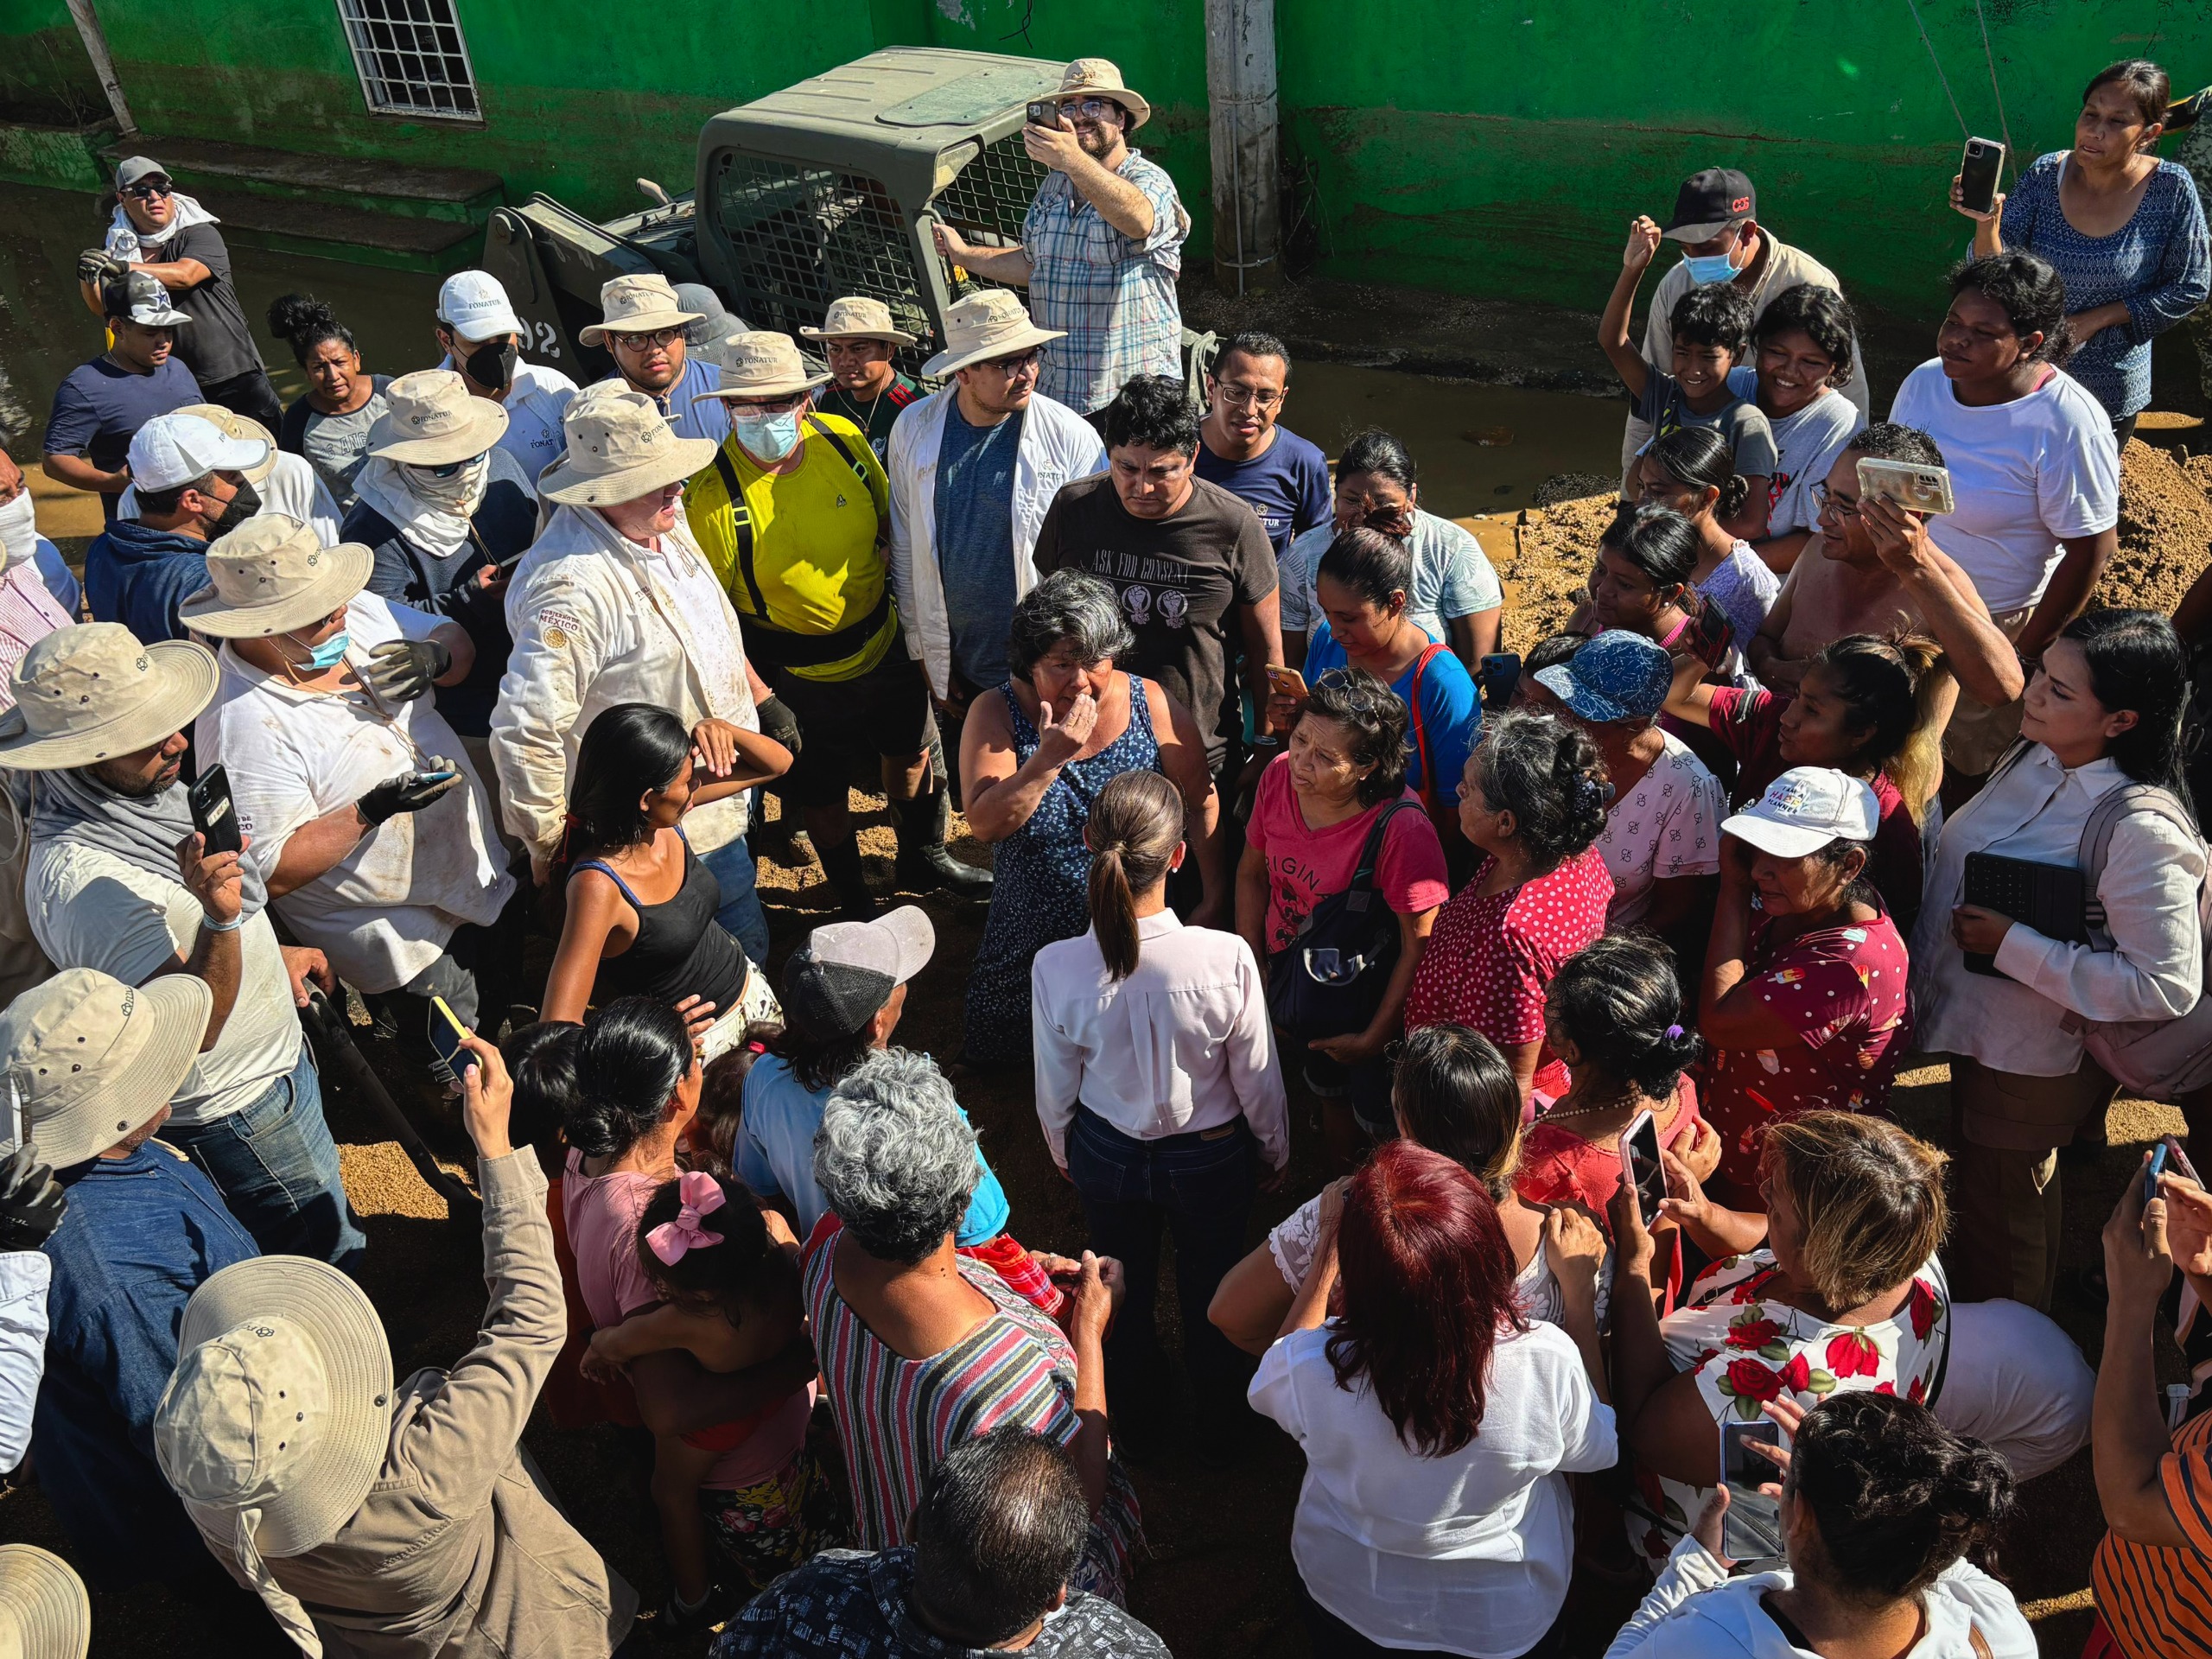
{"x": 2147, "y": 88}
{"x": 1699, "y": 458}
{"x": 1454, "y": 1093}
{"x": 730, "y": 1258}
{"x": 1890, "y": 685}
{"x": 2136, "y": 661}
{"x": 634, "y": 1053}
{"x": 1659, "y": 542}
{"x": 1550, "y": 775}
{"x": 303, "y": 323}
{"x": 1373, "y": 564}
{"x": 1136, "y": 824}
{"x": 1618, "y": 1002}
{"x": 1377, "y": 453}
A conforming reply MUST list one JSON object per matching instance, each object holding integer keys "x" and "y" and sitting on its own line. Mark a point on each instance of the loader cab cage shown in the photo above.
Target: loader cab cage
{"x": 829, "y": 187}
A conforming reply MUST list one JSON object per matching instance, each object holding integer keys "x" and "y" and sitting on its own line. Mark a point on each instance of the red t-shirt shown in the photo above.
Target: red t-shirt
{"x": 1492, "y": 956}
{"x": 1749, "y": 726}
{"x": 1559, "y": 1167}
{"x": 1843, "y": 989}
{"x": 1305, "y": 865}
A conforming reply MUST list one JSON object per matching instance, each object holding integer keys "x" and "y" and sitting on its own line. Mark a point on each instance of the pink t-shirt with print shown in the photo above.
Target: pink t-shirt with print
{"x": 1305, "y": 865}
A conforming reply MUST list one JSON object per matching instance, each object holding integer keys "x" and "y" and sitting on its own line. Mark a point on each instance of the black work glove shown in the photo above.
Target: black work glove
{"x": 31, "y": 1203}
{"x": 402, "y": 670}
{"x": 778, "y": 721}
{"x": 100, "y": 267}
{"x": 408, "y": 792}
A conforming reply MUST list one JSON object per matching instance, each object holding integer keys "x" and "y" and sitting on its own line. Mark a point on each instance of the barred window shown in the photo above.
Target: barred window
{"x": 411, "y": 58}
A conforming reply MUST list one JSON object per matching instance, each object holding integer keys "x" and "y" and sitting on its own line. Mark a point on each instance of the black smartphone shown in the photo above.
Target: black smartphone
{"x": 1640, "y": 1156}
{"x": 1752, "y": 1528}
{"x": 446, "y": 1035}
{"x": 213, "y": 813}
{"x": 1044, "y": 115}
{"x": 1977, "y": 172}
{"x": 1500, "y": 672}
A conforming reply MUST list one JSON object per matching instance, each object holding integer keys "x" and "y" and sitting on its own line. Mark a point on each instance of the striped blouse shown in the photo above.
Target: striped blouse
{"x": 2158, "y": 1603}
{"x": 897, "y": 1417}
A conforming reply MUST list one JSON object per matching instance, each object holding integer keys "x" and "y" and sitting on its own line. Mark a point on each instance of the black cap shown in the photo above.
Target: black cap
{"x": 1709, "y": 202}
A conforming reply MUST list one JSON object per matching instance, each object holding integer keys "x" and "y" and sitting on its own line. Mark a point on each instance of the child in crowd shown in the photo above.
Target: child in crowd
{"x": 1801, "y": 353}
{"x": 711, "y": 1143}
{"x": 1712, "y": 323}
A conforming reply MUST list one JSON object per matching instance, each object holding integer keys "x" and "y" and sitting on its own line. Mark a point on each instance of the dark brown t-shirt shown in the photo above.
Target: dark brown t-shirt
{"x": 1180, "y": 580}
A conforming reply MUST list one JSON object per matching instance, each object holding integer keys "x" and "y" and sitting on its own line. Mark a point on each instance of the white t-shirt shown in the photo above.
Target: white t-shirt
{"x": 1667, "y": 825}
{"x": 385, "y": 911}
{"x": 1807, "y": 444}
{"x": 2024, "y": 474}
{"x": 1470, "y": 1551}
{"x": 89, "y": 909}
{"x": 1452, "y": 576}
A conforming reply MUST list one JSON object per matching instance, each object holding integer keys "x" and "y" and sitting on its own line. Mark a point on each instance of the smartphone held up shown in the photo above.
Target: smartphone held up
{"x": 1980, "y": 168}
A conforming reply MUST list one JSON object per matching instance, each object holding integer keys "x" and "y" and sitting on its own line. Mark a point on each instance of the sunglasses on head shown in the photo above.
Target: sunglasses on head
{"x": 150, "y": 189}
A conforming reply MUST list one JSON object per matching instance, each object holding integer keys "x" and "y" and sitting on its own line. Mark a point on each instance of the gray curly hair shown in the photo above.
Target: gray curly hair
{"x": 894, "y": 1158}
{"x": 1069, "y": 605}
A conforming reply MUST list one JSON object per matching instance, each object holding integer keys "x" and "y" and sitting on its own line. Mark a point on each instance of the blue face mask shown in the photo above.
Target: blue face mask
{"x": 769, "y": 436}
{"x": 331, "y": 652}
{"x": 1706, "y": 269}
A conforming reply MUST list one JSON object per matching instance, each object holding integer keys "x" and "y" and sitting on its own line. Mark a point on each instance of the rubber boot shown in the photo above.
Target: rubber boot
{"x": 924, "y": 866}
{"x": 842, "y": 864}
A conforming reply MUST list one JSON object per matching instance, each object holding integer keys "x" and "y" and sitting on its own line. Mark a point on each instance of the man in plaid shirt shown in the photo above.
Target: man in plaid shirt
{"x": 1101, "y": 246}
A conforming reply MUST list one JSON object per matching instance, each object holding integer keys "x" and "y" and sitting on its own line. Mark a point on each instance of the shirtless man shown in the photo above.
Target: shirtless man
{"x": 1877, "y": 570}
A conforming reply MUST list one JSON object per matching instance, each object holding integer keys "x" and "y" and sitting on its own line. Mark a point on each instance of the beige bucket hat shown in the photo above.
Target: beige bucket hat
{"x": 243, "y": 428}
{"x": 620, "y": 447}
{"x": 44, "y": 1613}
{"x": 637, "y": 305}
{"x": 432, "y": 420}
{"x": 275, "y": 1424}
{"x": 985, "y": 325}
{"x": 272, "y": 574}
{"x": 761, "y": 365}
{"x": 1101, "y": 77}
{"x": 857, "y": 317}
{"x": 90, "y": 1058}
{"x": 86, "y": 693}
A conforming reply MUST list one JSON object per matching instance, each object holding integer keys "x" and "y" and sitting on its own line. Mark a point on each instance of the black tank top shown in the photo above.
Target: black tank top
{"x": 681, "y": 950}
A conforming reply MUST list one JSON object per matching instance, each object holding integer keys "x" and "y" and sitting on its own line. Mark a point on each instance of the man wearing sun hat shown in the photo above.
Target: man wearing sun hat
{"x": 1119, "y": 314}
{"x": 866, "y": 388}
{"x": 441, "y": 505}
{"x": 44, "y": 1613}
{"x": 191, "y": 484}
{"x": 408, "y": 1517}
{"x": 115, "y": 881}
{"x": 285, "y": 484}
{"x": 615, "y": 603}
{"x": 794, "y": 514}
{"x": 483, "y": 338}
{"x": 373, "y": 827}
{"x": 646, "y": 330}
{"x": 94, "y": 1064}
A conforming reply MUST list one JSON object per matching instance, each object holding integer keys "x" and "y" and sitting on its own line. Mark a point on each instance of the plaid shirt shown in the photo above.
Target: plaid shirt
{"x": 1114, "y": 295}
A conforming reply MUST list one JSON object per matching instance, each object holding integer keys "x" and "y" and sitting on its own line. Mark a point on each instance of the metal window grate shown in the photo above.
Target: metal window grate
{"x": 411, "y": 58}
{"x": 990, "y": 197}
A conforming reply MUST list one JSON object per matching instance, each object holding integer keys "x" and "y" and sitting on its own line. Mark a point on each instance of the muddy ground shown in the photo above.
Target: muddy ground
{"x": 1219, "y": 1583}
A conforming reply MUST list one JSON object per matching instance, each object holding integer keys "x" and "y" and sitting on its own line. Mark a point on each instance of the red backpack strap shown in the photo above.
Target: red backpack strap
{"x": 1421, "y": 733}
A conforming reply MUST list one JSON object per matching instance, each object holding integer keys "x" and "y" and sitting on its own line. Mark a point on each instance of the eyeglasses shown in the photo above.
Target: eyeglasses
{"x": 766, "y": 405}
{"x": 1246, "y": 396}
{"x": 1845, "y": 511}
{"x": 143, "y": 192}
{"x": 450, "y": 470}
{"x": 1010, "y": 366}
{"x": 1093, "y": 107}
{"x": 654, "y": 341}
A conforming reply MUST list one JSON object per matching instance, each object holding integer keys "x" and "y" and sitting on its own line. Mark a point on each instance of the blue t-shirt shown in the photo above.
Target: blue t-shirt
{"x": 99, "y": 409}
{"x": 1450, "y": 717}
{"x": 1287, "y": 484}
{"x": 774, "y": 1153}
{"x": 974, "y": 540}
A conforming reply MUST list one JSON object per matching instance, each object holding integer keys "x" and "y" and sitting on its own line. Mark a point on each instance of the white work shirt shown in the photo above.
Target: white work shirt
{"x": 2036, "y": 810}
{"x": 2025, "y": 474}
{"x": 1452, "y": 577}
{"x": 91, "y": 909}
{"x": 535, "y": 403}
{"x": 1181, "y": 1045}
{"x": 24, "y": 1275}
{"x": 293, "y": 488}
{"x": 385, "y": 911}
{"x": 1470, "y": 1552}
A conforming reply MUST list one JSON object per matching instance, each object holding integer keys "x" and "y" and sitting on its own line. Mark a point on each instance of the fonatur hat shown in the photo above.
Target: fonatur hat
{"x": 90, "y": 1058}
{"x": 619, "y": 447}
{"x": 91, "y": 692}
{"x": 245, "y": 429}
{"x": 44, "y": 1613}
{"x": 761, "y": 364}
{"x": 430, "y": 419}
{"x": 272, "y": 574}
{"x": 857, "y": 317}
{"x": 1101, "y": 77}
{"x": 1804, "y": 809}
{"x": 641, "y": 303}
{"x": 181, "y": 447}
{"x": 985, "y": 325}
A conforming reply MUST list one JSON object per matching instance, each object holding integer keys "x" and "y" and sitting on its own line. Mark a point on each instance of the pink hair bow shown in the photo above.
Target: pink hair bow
{"x": 701, "y": 1195}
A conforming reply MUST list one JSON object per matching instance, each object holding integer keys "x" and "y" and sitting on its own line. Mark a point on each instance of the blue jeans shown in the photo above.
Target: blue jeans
{"x": 276, "y": 1167}
{"x": 741, "y": 917}
{"x": 1200, "y": 1185}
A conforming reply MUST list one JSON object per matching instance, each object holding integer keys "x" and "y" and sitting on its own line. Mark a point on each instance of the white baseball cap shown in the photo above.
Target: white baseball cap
{"x": 178, "y": 449}
{"x": 473, "y": 305}
{"x": 1804, "y": 809}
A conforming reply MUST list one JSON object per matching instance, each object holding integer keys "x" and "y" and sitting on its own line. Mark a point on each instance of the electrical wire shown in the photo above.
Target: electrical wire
{"x": 2004, "y": 125}
{"x": 1964, "y": 130}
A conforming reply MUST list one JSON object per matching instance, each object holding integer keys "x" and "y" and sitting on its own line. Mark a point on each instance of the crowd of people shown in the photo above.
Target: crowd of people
{"x": 1594, "y": 966}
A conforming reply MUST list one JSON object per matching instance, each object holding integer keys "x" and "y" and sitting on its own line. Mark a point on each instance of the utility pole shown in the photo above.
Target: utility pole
{"x": 95, "y": 40}
{"x": 1241, "y": 83}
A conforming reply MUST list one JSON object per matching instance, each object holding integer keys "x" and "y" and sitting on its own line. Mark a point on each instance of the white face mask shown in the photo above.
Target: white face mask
{"x": 18, "y": 529}
{"x": 460, "y": 494}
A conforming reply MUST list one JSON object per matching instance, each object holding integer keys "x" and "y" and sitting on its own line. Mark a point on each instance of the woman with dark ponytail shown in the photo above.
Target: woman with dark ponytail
{"x": 1693, "y": 470}
{"x": 329, "y": 422}
{"x": 1160, "y": 1092}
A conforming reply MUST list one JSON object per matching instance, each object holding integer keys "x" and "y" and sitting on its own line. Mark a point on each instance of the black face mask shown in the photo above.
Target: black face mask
{"x": 492, "y": 367}
{"x": 240, "y": 507}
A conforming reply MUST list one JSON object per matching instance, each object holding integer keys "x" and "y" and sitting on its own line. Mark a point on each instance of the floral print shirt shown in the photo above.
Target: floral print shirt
{"x": 1745, "y": 1349}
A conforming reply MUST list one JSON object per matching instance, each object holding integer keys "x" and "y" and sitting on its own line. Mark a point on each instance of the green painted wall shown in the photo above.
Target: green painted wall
{"x": 45, "y": 76}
